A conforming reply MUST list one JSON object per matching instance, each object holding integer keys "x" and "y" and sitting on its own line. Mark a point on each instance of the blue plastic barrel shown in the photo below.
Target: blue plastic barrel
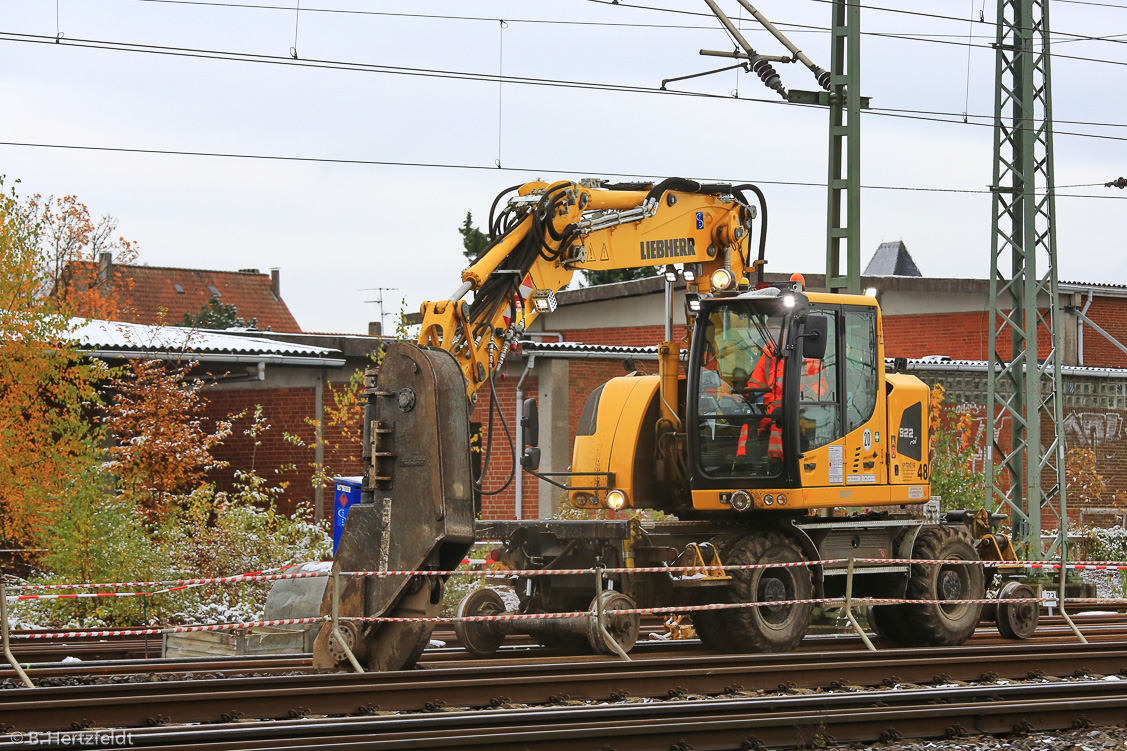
{"x": 346, "y": 493}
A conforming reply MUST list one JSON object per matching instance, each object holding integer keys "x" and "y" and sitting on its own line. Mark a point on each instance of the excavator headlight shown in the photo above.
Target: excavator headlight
{"x": 722, "y": 279}
{"x": 741, "y": 500}
{"x": 690, "y": 272}
{"x": 692, "y": 304}
{"x": 616, "y": 499}
{"x": 788, "y": 301}
{"x": 580, "y": 499}
{"x": 544, "y": 300}
{"x": 670, "y": 274}
{"x": 768, "y": 500}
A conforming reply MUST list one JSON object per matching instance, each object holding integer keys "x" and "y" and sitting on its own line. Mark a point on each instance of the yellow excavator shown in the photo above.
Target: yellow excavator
{"x": 779, "y": 437}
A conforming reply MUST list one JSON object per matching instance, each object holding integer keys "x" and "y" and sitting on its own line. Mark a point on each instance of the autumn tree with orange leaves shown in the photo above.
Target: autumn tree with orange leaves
{"x": 955, "y": 439}
{"x": 161, "y": 449}
{"x": 47, "y": 390}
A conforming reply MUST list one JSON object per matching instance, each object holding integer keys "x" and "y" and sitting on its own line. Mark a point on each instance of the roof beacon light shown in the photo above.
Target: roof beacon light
{"x": 722, "y": 279}
{"x": 544, "y": 300}
{"x": 799, "y": 281}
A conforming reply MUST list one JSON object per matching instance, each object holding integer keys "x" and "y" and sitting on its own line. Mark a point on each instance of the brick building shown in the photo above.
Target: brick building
{"x": 941, "y": 325}
{"x": 292, "y": 376}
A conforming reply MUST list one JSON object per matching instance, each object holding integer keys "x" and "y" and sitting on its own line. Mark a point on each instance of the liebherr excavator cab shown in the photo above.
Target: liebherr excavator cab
{"x": 779, "y": 440}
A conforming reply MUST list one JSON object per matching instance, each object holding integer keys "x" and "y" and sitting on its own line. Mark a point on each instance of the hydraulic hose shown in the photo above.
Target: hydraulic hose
{"x": 762, "y": 230}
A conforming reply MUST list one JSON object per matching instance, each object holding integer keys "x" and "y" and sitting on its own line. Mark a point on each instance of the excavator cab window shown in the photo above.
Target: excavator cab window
{"x": 860, "y": 366}
{"x": 740, "y": 392}
{"x": 819, "y": 401}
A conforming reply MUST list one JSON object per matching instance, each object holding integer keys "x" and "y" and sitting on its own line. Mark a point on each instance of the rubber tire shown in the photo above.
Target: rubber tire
{"x": 476, "y": 636}
{"x": 888, "y": 622}
{"x": 1017, "y": 620}
{"x": 753, "y": 629}
{"x": 940, "y": 625}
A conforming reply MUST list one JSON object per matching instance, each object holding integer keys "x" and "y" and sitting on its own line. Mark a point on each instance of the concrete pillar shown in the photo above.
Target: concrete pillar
{"x": 555, "y": 443}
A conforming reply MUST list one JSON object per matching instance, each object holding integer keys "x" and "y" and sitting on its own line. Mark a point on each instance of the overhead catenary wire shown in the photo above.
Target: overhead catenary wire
{"x": 260, "y": 58}
{"x": 794, "y": 27}
{"x": 922, "y": 14}
{"x": 488, "y": 167}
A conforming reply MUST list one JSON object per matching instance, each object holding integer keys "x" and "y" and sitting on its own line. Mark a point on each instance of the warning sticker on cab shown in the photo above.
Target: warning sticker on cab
{"x": 837, "y": 464}
{"x": 915, "y": 493}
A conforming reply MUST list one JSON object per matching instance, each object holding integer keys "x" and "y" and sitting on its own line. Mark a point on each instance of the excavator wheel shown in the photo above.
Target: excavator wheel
{"x": 480, "y": 638}
{"x": 768, "y": 628}
{"x": 888, "y": 622}
{"x": 943, "y": 625}
{"x": 1017, "y": 620}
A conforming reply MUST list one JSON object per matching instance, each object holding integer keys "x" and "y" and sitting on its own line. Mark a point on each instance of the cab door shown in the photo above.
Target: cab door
{"x": 866, "y": 444}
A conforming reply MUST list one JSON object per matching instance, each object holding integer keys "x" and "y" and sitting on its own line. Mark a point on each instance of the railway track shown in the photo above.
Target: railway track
{"x": 53, "y": 673}
{"x": 500, "y": 684}
{"x": 750, "y": 723}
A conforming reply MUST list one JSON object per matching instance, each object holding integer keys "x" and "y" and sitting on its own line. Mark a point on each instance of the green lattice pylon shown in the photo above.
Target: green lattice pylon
{"x": 1025, "y": 449}
{"x": 843, "y": 227}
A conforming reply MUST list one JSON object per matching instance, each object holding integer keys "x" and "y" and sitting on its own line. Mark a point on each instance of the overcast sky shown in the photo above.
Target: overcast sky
{"x": 432, "y": 143}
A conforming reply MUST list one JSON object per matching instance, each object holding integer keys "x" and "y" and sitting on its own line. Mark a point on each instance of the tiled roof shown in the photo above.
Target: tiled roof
{"x": 143, "y": 291}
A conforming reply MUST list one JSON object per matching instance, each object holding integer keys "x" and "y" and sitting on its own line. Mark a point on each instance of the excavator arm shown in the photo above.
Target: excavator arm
{"x": 547, "y": 232}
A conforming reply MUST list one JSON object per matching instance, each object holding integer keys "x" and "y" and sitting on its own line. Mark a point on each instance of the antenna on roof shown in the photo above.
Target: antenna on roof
{"x": 379, "y": 301}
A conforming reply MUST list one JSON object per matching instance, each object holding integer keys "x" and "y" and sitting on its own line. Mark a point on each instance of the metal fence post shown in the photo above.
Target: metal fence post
{"x": 1060, "y": 597}
{"x": 4, "y": 633}
{"x": 849, "y": 607}
{"x": 335, "y": 635}
{"x": 600, "y": 622}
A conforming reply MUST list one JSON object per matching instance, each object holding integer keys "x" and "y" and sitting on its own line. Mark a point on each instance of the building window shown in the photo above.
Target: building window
{"x": 178, "y": 288}
{"x": 214, "y": 292}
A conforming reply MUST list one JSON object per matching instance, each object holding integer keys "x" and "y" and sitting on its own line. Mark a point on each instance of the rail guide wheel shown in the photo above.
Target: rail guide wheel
{"x": 622, "y": 627}
{"x": 1017, "y": 620}
{"x": 480, "y": 638}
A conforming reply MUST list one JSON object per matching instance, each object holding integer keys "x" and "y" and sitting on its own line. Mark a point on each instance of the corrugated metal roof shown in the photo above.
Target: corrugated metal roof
{"x": 931, "y": 362}
{"x": 120, "y": 336}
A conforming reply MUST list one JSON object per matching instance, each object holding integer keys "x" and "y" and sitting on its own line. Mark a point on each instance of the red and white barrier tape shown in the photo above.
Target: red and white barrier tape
{"x": 859, "y": 601}
{"x": 177, "y": 584}
{"x": 167, "y": 629}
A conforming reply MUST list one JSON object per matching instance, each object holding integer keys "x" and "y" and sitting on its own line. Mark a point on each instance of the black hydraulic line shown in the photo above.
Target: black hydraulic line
{"x": 762, "y": 230}
{"x": 493, "y": 404}
{"x": 493, "y": 208}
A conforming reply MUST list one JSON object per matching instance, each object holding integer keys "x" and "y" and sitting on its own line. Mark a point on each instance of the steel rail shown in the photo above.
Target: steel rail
{"x": 745, "y": 722}
{"x": 278, "y": 697}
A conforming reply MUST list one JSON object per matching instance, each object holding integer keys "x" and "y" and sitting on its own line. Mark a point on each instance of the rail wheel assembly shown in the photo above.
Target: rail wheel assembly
{"x": 480, "y": 638}
{"x": 622, "y": 627}
{"x": 1017, "y": 620}
{"x": 766, "y": 628}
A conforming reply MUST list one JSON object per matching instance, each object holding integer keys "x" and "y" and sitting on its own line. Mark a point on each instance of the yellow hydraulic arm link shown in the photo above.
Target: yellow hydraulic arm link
{"x": 556, "y": 229}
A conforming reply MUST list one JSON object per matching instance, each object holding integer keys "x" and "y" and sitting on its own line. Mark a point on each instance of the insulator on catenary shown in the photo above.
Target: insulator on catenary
{"x": 824, "y": 79}
{"x": 767, "y": 74}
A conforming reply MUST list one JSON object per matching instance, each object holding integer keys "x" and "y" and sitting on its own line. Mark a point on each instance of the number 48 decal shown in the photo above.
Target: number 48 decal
{"x": 923, "y": 471}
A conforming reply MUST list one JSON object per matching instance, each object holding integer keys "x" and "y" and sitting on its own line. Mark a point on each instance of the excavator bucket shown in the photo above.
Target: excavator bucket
{"x": 416, "y": 511}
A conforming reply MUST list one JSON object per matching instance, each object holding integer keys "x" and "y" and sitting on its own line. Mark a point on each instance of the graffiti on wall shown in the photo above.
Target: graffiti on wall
{"x": 1092, "y": 429}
